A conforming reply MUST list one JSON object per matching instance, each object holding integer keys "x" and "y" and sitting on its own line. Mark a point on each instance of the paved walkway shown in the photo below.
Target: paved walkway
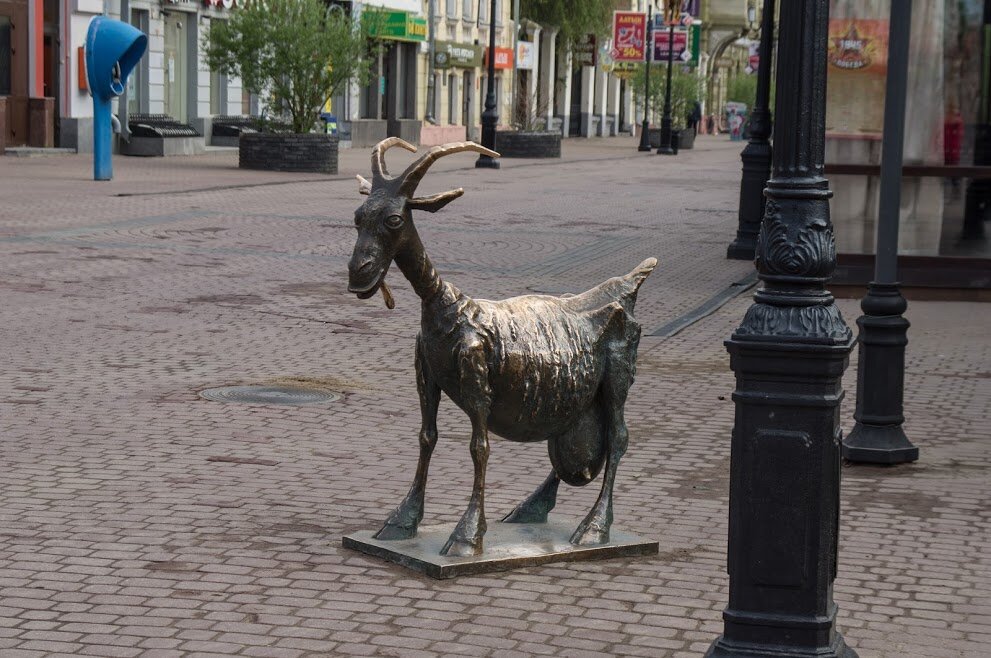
{"x": 138, "y": 519}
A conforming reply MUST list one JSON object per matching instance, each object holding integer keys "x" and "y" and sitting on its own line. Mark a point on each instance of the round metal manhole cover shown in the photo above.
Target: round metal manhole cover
{"x": 291, "y": 395}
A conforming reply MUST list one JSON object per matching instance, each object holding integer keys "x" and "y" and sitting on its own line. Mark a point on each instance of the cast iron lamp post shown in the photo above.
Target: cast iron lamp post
{"x": 490, "y": 117}
{"x": 648, "y": 53}
{"x": 665, "y": 147}
{"x": 878, "y": 436}
{"x": 756, "y": 156}
{"x": 789, "y": 354}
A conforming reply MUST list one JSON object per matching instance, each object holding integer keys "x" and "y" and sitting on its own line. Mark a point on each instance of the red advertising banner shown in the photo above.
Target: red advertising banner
{"x": 629, "y": 33}
{"x": 503, "y": 58}
{"x": 663, "y": 37}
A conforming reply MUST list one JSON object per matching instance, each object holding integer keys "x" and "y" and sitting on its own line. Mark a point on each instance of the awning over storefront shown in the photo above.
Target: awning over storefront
{"x": 394, "y": 25}
{"x": 448, "y": 54}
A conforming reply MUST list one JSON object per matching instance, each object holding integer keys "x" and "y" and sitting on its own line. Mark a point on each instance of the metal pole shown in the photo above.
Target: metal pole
{"x": 878, "y": 436}
{"x": 789, "y": 354}
{"x": 665, "y": 148}
{"x": 756, "y": 156}
{"x": 516, "y": 53}
{"x": 648, "y": 52}
{"x": 431, "y": 82}
{"x": 490, "y": 117}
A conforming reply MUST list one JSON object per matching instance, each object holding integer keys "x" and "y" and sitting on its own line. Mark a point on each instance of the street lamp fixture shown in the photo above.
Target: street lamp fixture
{"x": 490, "y": 117}
{"x": 671, "y": 16}
{"x": 751, "y": 13}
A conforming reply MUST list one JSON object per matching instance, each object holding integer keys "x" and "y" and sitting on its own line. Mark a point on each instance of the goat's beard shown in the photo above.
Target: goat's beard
{"x": 390, "y": 303}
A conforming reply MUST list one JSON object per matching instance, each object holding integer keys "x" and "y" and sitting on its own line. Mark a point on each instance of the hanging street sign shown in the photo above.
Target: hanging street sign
{"x": 629, "y": 35}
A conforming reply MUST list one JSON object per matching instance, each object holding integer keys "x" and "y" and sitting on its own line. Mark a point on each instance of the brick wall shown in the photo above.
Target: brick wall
{"x": 289, "y": 152}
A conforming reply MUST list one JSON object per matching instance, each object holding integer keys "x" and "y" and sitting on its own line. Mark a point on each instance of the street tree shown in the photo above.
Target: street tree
{"x": 574, "y": 18}
{"x": 298, "y": 52}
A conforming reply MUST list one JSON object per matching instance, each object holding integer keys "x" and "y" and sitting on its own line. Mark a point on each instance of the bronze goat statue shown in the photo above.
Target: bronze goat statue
{"x": 530, "y": 368}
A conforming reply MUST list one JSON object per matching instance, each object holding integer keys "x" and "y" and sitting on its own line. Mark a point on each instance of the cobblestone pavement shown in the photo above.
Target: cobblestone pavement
{"x": 137, "y": 519}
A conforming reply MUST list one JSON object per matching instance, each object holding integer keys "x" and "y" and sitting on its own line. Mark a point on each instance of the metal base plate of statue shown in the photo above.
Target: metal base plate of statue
{"x": 507, "y": 546}
{"x": 528, "y": 369}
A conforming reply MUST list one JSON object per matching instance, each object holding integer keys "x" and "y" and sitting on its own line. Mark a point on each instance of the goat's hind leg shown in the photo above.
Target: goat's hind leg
{"x": 405, "y": 519}
{"x": 594, "y": 529}
{"x": 538, "y": 504}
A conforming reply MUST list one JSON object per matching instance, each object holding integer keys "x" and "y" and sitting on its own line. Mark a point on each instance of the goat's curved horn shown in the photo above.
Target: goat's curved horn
{"x": 416, "y": 171}
{"x": 435, "y": 202}
{"x": 364, "y": 186}
{"x": 379, "y": 171}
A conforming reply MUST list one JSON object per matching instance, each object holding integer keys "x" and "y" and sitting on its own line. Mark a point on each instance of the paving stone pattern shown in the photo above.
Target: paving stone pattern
{"x": 137, "y": 519}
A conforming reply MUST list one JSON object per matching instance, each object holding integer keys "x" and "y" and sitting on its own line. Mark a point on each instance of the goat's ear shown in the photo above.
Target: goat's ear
{"x": 364, "y": 187}
{"x": 435, "y": 202}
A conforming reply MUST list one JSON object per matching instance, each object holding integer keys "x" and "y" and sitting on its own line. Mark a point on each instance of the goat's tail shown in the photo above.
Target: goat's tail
{"x": 631, "y": 284}
{"x": 642, "y": 271}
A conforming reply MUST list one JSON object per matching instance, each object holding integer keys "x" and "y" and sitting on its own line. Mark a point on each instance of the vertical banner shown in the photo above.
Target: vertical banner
{"x": 629, "y": 33}
{"x": 858, "y": 64}
{"x": 662, "y": 38}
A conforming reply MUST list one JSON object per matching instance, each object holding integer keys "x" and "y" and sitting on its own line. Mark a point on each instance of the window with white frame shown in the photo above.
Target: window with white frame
{"x": 483, "y": 12}
{"x": 468, "y": 9}
{"x": 452, "y": 8}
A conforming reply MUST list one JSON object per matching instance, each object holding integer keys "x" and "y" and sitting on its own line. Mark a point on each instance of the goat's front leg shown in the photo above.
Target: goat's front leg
{"x": 476, "y": 395}
{"x": 405, "y": 519}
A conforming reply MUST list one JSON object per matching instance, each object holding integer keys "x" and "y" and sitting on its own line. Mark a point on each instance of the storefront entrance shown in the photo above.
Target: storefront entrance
{"x": 14, "y": 70}
{"x": 175, "y": 64}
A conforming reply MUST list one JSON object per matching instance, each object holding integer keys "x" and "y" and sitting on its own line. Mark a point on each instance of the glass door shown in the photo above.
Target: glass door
{"x": 175, "y": 67}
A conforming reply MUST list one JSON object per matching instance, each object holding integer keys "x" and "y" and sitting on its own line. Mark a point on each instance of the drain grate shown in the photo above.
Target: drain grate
{"x": 291, "y": 395}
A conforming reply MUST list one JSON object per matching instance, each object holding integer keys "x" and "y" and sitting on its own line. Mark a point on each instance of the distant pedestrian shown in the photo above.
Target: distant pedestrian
{"x": 695, "y": 116}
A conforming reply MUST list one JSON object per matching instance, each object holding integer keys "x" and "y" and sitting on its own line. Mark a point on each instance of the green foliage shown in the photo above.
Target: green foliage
{"x": 575, "y": 18}
{"x": 742, "y": 89}
{"x": 295, "y": 50}
{"x": 685, "y": 91}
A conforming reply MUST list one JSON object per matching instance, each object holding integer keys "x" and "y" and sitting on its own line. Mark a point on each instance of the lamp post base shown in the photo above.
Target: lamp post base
{"x": 878, "y": 438}
{"x": 878, "y": 444}
{"x": 486, "y": 162}
{"x": 722, "y": 648}
{"x": 741, "y": 250}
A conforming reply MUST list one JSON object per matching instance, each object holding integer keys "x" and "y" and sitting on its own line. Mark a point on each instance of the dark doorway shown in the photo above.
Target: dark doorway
{"x": 575, "y": 120}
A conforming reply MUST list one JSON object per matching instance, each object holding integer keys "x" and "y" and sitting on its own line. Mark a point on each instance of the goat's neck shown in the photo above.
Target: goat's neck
{"x": 415, "y": 265}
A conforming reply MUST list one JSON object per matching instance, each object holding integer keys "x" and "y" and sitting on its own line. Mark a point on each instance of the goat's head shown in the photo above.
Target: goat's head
{"x": 384, "y": 221}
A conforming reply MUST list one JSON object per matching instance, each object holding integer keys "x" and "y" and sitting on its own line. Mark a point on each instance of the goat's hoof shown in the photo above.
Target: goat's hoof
{"x": 390, "y": 532}
{"x": 462, "y": 547}
{"x": 590, "y": 534}
{"x": 526, "y": 514}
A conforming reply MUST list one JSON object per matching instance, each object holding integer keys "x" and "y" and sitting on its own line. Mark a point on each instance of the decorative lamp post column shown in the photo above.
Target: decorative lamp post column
{"x": 789, "y": 354}
{"x": 977, "y": 206}
{"x": 431, "y": 75}
{"x": 665, "y": 147}
{"x": 878, "y": 436}
{"x": 648, "y": 53}
{"x": 756, "y": 156}
{"x": 490, "y": 117}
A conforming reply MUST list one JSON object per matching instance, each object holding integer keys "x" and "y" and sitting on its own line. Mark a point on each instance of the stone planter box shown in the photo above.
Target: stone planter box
{"x": 313, "y": 152}
{"x": 686, "y": 139}
{"x": 516, "y": 144}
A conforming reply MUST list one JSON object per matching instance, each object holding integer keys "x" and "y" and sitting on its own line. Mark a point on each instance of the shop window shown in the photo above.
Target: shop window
{"x": 5, "y": 56}
{"x": 452, "y": 98}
